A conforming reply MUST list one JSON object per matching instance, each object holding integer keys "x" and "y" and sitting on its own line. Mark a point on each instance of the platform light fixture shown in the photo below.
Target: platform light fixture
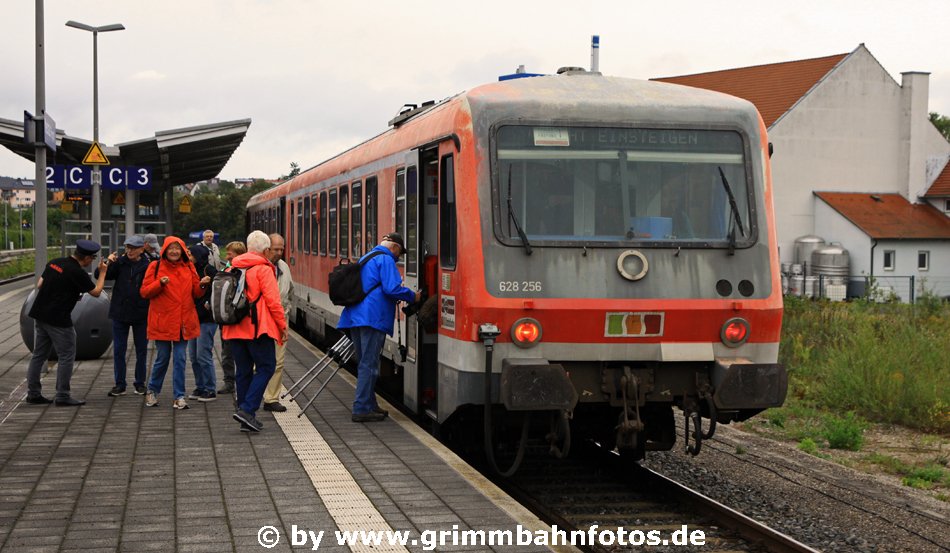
{"x": 97, "y": 176}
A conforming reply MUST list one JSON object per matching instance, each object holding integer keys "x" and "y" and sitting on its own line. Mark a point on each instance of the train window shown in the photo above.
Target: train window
{"x": 299, "y": 225}
{"x": 412, "y": 203}
{"x": 332, "y": 223}
{"x": 306, "y": 224}
{"x": 313, "y": 224}
{"x": 290, "y": 229}
{"x": 372, "y": 220}
{"x": 344, "y": 222}
{"x": 447, "y": 224}
{"x": 356, "y": 219}
{"x": 603, "y": 186}
{"x": 401, "y": 204}
{"x": 323, "y": 223}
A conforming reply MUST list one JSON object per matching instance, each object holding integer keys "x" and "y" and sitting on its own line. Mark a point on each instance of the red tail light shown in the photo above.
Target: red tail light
{"x": 526, "y": 332}
{"x": 735, "y": 332}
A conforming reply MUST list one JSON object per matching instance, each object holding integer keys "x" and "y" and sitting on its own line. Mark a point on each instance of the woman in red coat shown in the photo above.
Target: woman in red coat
{"x": 171, "y": 284}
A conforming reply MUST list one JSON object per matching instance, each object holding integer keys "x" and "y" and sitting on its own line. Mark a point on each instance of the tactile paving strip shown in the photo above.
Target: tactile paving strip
{"x": 350, "y": 508}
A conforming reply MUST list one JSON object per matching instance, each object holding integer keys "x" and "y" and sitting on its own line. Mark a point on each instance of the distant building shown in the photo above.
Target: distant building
{"x": 18, "y": 193}
{"x": 844, "y": 131}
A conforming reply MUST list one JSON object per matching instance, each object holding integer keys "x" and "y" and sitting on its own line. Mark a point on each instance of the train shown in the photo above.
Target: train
{"x": 596, "y": 251}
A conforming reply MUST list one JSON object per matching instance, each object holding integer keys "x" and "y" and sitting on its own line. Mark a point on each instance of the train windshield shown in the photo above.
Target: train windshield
{"x": 606, "y": 186}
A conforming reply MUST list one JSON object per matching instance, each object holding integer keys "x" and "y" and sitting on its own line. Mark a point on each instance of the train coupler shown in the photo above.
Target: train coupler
{"x": 631, "y": 425}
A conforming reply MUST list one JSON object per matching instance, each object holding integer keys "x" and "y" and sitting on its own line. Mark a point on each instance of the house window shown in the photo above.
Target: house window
{"x": 946, "y": 206}
{"x": 923, "y": 260}
{"x": 890, "y": 259}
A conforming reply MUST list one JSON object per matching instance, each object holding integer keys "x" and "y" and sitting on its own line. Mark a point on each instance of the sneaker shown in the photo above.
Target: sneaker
{"x": 276, "y": 407}
{"x": 207, "y": 396}
{"x": 151, "y": 399}
{"x": 140, "y": 389}
{"x": 227, "y": 389}
{"x": 38, "y": 400}
{"x": 248, "y": 420}
{"x": 195, "y": 394}
{"x": 69, "y": 402}
{"x": 368, "y": 417}
{"x": 117, "y": 391}
{"x": 381, "y": 411}
{"x": 180, "y": 403}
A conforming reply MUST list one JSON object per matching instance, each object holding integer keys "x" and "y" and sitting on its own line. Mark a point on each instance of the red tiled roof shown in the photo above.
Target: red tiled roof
{"x": 773, "y": 88}
{"x": 941, "y": 186}
{"x": 889, "y": 216}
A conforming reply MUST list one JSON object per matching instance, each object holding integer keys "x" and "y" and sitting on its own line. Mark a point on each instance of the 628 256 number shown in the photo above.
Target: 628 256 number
{"x": 520, "y": 286}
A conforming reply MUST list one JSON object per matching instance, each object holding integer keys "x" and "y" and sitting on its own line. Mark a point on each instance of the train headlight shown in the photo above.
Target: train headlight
{"x": 526, "y": 333}
{"x": 735, "y": 332}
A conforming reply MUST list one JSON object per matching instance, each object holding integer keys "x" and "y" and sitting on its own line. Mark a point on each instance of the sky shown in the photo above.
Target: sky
{"x": 318, "y": 77}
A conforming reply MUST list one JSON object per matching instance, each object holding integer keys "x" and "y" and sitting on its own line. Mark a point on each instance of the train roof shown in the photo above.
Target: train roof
{"x": 579, "y": 96}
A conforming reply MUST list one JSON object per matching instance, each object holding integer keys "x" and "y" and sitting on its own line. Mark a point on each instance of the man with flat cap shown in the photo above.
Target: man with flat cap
{"x": 62, "y": 284}
{"x": 368, "y": 322}
{"x": 128, "y": 311}
{"x": 152, "y": 247}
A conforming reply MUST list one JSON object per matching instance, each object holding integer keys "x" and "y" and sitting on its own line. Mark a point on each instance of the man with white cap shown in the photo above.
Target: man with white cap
{"x": 62, "y": 284}
{"x": 128, "y": 310}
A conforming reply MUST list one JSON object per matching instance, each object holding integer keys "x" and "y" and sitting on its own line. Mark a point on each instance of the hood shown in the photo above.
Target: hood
{"x": 169, "y": 240}
{"x": 250, "y": 259}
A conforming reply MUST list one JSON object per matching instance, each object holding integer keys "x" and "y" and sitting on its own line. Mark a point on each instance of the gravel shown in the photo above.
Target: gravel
{"x": 821, "y": 504}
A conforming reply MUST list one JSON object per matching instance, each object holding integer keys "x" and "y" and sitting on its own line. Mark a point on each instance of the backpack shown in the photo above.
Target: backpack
{"x": 346, "y": 282}
{"x": 229, "y": 301}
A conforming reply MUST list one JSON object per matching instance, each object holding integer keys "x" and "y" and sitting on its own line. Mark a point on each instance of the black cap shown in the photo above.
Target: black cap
{"x": 87, "y": 247}
{"x": 397, "y": 238}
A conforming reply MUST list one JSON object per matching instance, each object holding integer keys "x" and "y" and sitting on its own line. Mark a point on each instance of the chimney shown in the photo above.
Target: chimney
{"x": 915, "y": 91}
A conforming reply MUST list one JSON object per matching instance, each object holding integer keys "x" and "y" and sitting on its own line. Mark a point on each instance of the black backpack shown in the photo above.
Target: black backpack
{"x": 229, "y": 301}
{"x": 346, "y": 282}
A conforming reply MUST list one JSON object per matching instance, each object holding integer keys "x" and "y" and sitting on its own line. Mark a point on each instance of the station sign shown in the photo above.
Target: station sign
{"x": 44, "y": 126}
{"x": 113, "y": 178}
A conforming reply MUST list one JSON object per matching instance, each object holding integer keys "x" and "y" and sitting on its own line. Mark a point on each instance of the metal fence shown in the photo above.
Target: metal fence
{"x": 906, "y": 289}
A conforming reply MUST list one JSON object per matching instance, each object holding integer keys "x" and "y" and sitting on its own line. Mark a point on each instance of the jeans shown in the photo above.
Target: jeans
{"x": 163, "y": 351}
{"x": 369, "y": 345}
{"x": 227, "y": 362}
{"x": 201, "y": 353}
{"x": 45, "y": 338}
{"x": 120, "y": 344}
{"x": 254, "y": 362}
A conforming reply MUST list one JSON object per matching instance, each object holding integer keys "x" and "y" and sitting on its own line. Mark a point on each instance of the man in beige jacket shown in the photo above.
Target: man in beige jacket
{"x": 286, "y": 286}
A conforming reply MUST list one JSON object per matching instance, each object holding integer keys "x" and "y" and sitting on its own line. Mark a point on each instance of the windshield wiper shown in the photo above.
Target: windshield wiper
{"x": 734, "y": 211}
{"x": 514, "y": 219}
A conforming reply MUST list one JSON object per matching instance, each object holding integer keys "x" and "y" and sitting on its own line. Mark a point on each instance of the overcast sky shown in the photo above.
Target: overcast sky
{"x": 317, "y": 77}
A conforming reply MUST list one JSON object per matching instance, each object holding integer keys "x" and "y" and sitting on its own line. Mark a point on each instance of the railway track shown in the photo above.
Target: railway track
{"x": 593, "y": 488}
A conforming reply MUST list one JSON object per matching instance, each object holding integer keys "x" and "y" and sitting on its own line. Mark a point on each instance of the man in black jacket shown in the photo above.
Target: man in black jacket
{"x": 128, "y": 310}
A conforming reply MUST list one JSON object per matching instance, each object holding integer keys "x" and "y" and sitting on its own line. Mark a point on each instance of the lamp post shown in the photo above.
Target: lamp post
{"x": 97, "y": 174}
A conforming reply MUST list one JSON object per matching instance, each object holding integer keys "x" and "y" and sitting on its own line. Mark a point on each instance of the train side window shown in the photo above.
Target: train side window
{"x": 412, "y": 219}
{"x": 332, "y": 223}
{"x": 323, "y": 223}
{"x": 299, "y": 225}
{"x": 401, "y": 205}
{"x": 344, "y": 222}
{"x": 290, "y": 229}
{"x": 306, "y": 224}
{"x": 448, "y": 239}
{"x": 356, "y": 219}
{"x": 372, "y": 219}
{"x": 313, "y": 224}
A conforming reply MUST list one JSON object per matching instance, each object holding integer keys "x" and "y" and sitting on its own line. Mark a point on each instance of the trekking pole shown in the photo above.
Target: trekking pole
{"x": 341, "y": 360}
{"x": 324, "y": 361}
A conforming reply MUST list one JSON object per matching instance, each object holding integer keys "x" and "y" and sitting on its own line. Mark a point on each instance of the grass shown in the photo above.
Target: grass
{"x": 886, "y": 362}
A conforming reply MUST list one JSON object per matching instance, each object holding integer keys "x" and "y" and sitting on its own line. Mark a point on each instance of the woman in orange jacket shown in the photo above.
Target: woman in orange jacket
{"x": 252, "y": 339}
{"x": 171, "y": 284}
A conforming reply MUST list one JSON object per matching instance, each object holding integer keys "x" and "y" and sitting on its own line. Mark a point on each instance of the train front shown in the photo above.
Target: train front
{"x": 629, "y": 261}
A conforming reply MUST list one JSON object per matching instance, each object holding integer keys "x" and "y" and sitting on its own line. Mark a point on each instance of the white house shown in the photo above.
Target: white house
{"x": 842, "y": 124}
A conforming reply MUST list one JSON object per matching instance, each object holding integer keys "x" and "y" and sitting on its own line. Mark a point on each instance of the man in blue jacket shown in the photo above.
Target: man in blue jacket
{"x": 128, "y": 310}
{"x": 372, "y": 319}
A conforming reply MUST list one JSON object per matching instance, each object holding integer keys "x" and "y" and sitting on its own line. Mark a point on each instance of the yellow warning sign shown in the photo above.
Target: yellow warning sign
{"x": 185, "y": 205}
{"x": 118, "y": 199}
{"x": 95, "y": 156}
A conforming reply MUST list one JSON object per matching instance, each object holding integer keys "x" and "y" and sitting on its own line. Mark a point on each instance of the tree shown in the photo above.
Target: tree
{"x": 294, "y": 171}
{"x": 942, "y": 122}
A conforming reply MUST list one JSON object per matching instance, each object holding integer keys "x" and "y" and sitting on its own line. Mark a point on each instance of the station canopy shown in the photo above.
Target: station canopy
{"x": 178, "y": 156}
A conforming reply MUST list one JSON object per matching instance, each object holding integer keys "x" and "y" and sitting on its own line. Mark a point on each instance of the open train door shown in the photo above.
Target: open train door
{"x": 407, "y": 223}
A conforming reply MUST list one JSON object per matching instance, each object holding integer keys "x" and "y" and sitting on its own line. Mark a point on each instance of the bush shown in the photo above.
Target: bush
{"x": 844, "y": 432}
{"x": 809, "y": 446}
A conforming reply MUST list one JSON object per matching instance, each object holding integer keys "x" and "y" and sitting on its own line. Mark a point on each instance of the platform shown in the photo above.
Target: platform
{"x": 114, "y": 475}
